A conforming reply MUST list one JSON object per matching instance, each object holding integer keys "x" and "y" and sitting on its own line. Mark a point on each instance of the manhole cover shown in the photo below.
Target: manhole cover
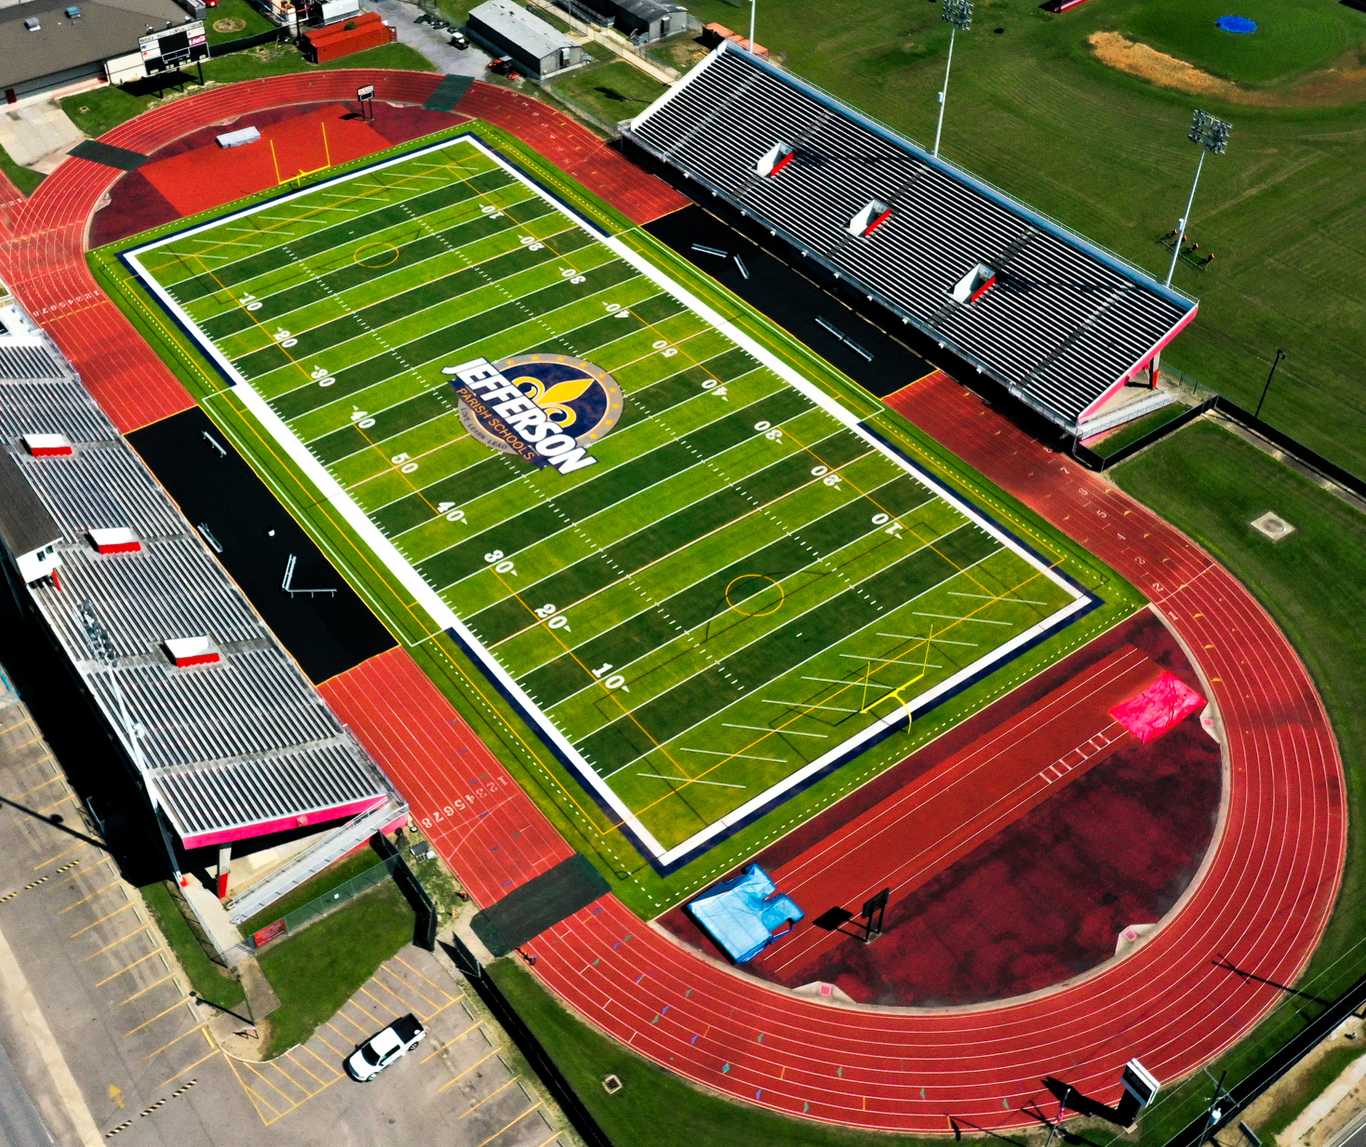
{"x": 1272, "y": 526}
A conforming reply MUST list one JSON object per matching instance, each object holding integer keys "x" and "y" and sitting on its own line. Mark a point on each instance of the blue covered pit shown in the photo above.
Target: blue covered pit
{"x": 1238, "y": 25}
{"x": 745, "y": 914}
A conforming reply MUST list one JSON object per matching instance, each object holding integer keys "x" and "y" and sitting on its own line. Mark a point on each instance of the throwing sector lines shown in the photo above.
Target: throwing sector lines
{"x": 698, "y": 574}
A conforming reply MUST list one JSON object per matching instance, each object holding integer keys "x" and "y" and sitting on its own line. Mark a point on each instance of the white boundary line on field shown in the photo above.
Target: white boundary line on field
{"x": 444, "y": 616}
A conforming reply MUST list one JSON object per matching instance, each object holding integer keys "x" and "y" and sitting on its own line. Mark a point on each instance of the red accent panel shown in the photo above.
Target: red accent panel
{"x": 983, "y": 289}
{"x": 878, "y": 222}
{"x": 280, "y": 824}
{"x": 119, "y": 548}
{"x": 197, "y": 659}
{"x": 223, "y": 885}
{"x": 788, "y": 158}
{"x": 50, "y": 451}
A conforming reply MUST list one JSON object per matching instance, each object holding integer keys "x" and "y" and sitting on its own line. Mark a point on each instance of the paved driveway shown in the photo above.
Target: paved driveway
{"x": 434, "y": 45}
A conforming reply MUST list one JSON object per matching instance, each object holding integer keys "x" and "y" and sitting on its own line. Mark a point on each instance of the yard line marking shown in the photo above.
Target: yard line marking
{"x": 951, "y": 617}
{"x": 738, "y": 756}
{"x": 889, "y": 661}
{"x": 805, "y": 705}
{"x": 718, "y": 784}
{"x": 932, "y": 639}
{"x": 1021, "y": 600}
{"x": 767, "y": 729}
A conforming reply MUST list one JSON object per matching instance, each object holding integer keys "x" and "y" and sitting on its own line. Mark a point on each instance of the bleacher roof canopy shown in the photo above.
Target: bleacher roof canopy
{"x": 1062, "y": 325}
{"x": 233, "y": 750}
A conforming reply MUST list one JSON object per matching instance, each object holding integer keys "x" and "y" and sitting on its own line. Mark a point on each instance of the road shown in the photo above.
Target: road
{"x": 20, "y": 1124}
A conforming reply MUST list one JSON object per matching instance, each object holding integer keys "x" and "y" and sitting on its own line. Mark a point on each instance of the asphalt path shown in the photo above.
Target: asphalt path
{"x": 20, "y": 1124}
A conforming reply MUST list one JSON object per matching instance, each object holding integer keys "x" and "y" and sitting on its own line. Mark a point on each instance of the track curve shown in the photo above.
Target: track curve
{"x": 1262, "y": 902}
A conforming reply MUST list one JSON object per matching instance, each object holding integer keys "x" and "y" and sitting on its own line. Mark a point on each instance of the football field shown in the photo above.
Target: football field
{"x": 695, "y": 572}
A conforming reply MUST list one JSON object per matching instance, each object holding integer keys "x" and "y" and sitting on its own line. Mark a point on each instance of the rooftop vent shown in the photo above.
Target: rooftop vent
{"x": 775, "y": 159}
{"x": 188, "y": 651}
{"x": 974, "y": 284}
{"x": 873, "y": 215}
{"x": 118, "y": 540}
{"x": 47, "y": 445}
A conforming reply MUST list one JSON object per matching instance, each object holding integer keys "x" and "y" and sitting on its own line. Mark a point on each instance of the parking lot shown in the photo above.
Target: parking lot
{"x": 101, "y": 1026}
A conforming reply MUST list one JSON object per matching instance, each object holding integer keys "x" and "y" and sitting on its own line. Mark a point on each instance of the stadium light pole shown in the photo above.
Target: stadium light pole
{"x": 958, "y": 15}
{"x": 1212, "y": 136}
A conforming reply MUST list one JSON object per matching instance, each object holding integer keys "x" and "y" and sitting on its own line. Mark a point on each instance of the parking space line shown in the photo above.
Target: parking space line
{"x": 327, "y": 1041}
{"x": 256, "y": 1101}
{"x": 303, "y": 1067}
{"x": 421, "y": 975}
{"x": 380, "y": 1003}
{"x": 510, "y": 1124}
{"x": 69, "y": 796}
{"x": 549, "y": 1138}
{"x": 127, "y": 904}
{"x": 80, "y": 844}
{"x": 408, "y": 987}
{"x": 172, "y": 1042}
{"x": 86, "y": 899}
{"x": 501, "y": 1087}
{"x": 457, "y": 1078}
{"x": 448, "y": 1044}
{"x": 290, "y": 1101}
{"x": 341, "y": 1014}
{"x": 448, "y": 1004}
{"x": 138, "y": 931}
{"x": 148, "y": 988}
{"x": 311, "y": 1095}
{"x": 19, "y": 724}
{"x": 150, "y": 1022}
{"x": 329, "y": 1067}
{"x": 213, "y": 1051}
{"x": 56, "y": 776}
{"x": 129, "y": 967}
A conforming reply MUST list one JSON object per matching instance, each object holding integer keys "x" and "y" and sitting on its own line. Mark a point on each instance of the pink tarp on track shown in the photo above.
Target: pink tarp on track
{"x": 1161, "y": 706}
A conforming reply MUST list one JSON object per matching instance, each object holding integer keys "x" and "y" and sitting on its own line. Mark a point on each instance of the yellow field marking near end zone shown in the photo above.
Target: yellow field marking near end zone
{"x": 735, "y": 608}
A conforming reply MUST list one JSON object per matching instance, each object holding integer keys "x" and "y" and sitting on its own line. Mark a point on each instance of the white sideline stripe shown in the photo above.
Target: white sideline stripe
{"x": 931, "y": 639}
{"x": 739, "y": 756}
{"x": 768, "y": 729}
{"x": 445, "y": 617}
{"x": 885, "y": 661}
{"x": 718, "y": 784}
{"x": 988, "y": 597}
{"x": 950, "y": 617}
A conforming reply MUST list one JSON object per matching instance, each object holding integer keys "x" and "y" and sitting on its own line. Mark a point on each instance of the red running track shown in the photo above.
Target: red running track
{"x": 1261, "y": 904}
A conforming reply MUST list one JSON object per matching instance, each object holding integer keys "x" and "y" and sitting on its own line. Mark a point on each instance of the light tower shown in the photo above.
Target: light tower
{"x": 1212, "y": 136}
{"x": 958, "y": 15}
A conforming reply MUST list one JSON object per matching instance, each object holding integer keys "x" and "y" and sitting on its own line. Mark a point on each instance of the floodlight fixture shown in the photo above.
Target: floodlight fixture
{"x": 1211, "y": 133}
{"x": 957, "y": 14}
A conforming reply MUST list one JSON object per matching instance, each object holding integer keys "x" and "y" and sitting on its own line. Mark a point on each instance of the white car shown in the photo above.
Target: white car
{"x": 382, "y": 1048}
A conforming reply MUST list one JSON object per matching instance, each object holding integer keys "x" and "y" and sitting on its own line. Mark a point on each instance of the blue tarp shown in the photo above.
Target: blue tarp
{"x": 744, "y": 914}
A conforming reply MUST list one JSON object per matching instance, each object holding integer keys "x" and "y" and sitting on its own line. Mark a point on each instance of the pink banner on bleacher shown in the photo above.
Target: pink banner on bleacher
{"x": 1159, "y": 708}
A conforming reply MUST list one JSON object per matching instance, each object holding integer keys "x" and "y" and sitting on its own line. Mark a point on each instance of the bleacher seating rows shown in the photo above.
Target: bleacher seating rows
{"x": 241, "y": 742}
{"x": 1061, "y": 327}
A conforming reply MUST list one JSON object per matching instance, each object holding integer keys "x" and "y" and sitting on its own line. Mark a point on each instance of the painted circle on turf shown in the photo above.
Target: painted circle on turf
{"x": 375, "y": 255}
{"x": 581, "y": 400}
{"x": 742, "y": 588}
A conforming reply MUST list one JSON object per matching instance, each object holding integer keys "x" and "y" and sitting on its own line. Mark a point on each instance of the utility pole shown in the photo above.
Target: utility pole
{"x": 753, "y": 4}
{"x": 1212, "y": 136}
{"x": 958, "y": 15}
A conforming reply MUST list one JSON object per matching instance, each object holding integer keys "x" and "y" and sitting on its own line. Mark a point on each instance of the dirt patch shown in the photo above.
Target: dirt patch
{"x": 1339, "y": 85}
{"x": 229, "y": 24}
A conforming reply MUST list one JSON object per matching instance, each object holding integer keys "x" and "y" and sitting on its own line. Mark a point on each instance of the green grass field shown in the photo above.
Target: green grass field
{"x": 738, "y": 588}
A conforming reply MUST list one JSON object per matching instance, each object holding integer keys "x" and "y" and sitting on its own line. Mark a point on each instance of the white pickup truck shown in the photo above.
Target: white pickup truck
{"x": 382, "y": 1048}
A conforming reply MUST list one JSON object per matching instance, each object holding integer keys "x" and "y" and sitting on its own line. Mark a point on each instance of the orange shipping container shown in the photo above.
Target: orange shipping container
{"x": 356, "y": 34}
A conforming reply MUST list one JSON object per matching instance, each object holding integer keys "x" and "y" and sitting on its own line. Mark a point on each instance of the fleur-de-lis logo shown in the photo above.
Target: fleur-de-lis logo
{"x": 556, "y": 399}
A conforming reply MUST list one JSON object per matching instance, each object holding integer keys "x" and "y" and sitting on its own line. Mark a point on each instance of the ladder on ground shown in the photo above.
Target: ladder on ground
{"x": 311, "y": 861}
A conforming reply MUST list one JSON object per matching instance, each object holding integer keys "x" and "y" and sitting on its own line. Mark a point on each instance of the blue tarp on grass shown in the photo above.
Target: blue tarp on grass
{"x": 745, "y": 914}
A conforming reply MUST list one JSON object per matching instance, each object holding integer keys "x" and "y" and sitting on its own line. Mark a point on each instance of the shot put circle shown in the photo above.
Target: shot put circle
{"x": 743, "y": 588}
{"x": 229, "y": 24}
{"x": 375, "y": 255}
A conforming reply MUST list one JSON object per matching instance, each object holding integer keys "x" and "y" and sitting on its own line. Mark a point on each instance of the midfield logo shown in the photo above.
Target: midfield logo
{"x": 545, "y": 408}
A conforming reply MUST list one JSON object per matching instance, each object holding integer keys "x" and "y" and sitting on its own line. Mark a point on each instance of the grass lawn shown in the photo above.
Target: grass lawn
{"x": 1132, "y": 431}
{"x": 345, "y": 869}
{"x": 221, "y": 23}
{"x": 655, "y": 1106}
{"x": 95, "y": 112}
{"x": 317, "y": 971}
{"x": 607, "y": 92}
{"x": 1313, "y": 582}
{"x": 24, "y": 178}
{"x": 209, "y": 979}
{"x": 1303, "y": 1087}
{"x": 1033, "y": 111}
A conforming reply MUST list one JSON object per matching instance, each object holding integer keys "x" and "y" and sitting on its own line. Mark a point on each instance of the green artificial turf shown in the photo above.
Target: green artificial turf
{"x": 426, "y": 440}
{"x": 96, "y": 112}
{"x": 1034, "y": 111}
{"x": 1211, "y": 483}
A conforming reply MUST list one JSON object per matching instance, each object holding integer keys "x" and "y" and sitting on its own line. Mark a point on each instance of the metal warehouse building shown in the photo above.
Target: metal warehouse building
{"x": 538, "y": 49}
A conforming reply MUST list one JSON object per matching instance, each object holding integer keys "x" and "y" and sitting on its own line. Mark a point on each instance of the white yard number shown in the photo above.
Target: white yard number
{"x": 612, "y": 680}
{"x": 882, "y": 519}
{"x": 550, "y": 614}
{"x": 570, "y": 274}
{"x": 284, "y": 338}
{"x": 823, "y": 473}
{"x": 500, "y": 562}
{"x": 250, "y": 302}
{"x": 362, "y": 420}
{"x": 451, "y": 513}
{"x": 529, "y": 242}
{"x": 715, "y": 387}
{"x": 490, "y": 210}
{"x": 662, "y": 345}
{"x": 768, "y": 430}
{"x": 321, "y": 376}
{"x": 403, "y": 462}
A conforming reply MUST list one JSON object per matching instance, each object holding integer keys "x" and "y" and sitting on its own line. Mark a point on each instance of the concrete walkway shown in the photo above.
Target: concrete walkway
{"x": 38, "y": 135}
